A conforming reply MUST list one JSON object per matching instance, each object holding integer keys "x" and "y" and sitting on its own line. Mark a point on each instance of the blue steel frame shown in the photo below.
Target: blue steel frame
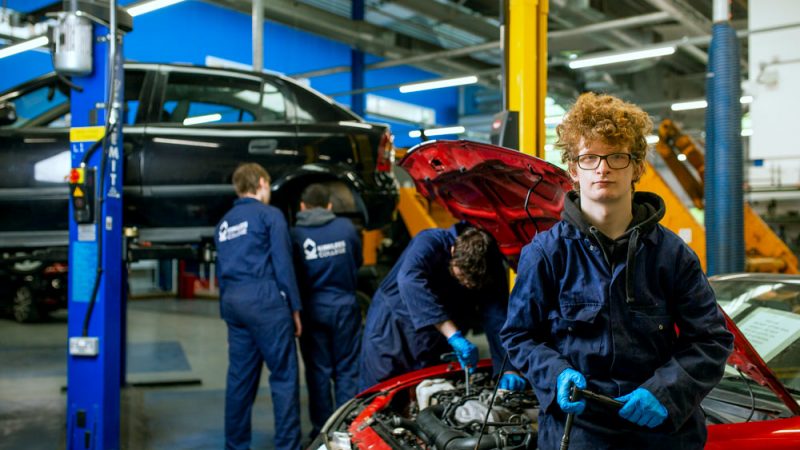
{"x": 93, "y": 383}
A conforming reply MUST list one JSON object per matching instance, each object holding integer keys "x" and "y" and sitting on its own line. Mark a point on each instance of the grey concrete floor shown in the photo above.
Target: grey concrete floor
{"x": 168, "y": 340}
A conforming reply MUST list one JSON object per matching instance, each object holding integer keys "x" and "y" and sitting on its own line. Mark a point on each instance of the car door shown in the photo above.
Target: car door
{"x": 206, "y": 124}
{"x": 34, "y": 151}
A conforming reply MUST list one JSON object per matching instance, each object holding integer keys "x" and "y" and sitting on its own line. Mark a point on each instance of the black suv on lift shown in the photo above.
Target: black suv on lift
{"x": 185, "y": 130}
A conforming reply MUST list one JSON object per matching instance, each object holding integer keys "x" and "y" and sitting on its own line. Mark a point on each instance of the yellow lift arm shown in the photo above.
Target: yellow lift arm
{"x": 766, "y": 252}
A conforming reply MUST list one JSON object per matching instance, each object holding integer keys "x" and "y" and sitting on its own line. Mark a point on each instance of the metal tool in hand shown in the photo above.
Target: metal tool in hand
{"x": 452, "y": 357}
{"x": 576, "y": 394}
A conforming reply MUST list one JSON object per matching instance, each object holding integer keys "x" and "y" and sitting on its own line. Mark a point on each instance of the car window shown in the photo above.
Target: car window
{"x": 194, "y": 99}
{"x": 311, "y": 108}
{"x": 768, "y": 314}
{"x": 48, "y": 105}
{"x": 38, "y": 103}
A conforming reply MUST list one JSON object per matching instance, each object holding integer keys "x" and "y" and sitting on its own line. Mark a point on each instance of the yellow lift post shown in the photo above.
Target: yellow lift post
{"x": 525, "y": 49}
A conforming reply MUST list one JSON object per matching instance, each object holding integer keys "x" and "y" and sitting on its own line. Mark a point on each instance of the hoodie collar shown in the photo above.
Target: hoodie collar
{"x": 648, "y": 210}
{"x": 314, "y": 217}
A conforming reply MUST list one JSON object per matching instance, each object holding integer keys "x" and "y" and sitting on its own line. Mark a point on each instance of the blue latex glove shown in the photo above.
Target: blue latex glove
{"x": 642, "y": 408}
{"x": 565, "y": 380}
{"x": 512, "y": 382}
{"x": 466, "y": 352}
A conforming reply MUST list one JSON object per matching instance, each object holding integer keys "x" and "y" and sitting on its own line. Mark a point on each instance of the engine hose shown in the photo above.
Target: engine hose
{"x": 446, "y": 438}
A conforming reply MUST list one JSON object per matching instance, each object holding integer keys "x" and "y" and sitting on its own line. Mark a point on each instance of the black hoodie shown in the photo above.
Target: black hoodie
{"x": 648, "y": 210}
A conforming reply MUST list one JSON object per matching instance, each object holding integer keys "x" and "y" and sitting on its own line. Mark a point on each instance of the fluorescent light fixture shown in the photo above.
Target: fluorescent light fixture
{"x": 681, "y": 157}
{"x": 24, "y": 46}
{"x": 747, "y": 132}
{"x": 144, "y": 8}
{"x": 684, "y": 106}
{"x": 700, "y": 104}
{"x": 437, "y": 84}
{"x": 591, "y": 61}
{"x": 437, "y": 131}
{"x": 202, "y": 119}
{"x": 651, "y": 138}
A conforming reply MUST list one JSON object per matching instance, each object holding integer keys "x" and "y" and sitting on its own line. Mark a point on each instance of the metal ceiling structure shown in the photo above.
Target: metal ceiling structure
{"x": 461, "y": 37}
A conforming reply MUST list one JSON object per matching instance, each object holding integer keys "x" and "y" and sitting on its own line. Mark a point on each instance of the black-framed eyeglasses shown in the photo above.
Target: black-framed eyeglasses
{"x": 591, "y": 161}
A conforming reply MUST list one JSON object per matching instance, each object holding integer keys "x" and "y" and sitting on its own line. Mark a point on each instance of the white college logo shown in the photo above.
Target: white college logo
{"x": 314, "y": 251}
{"x": 227, "y": 233}
{"x": 310, "y": 248}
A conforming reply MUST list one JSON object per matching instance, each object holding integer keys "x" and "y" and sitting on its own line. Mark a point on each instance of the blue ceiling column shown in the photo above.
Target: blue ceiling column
{"x": 357, "y": 100}
{"x": 96, "y": 275}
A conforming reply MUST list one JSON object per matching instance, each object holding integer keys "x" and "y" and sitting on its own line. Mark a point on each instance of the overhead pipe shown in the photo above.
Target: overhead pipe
{"x": 724, "y": 209}
{"x": 258, "y": 35}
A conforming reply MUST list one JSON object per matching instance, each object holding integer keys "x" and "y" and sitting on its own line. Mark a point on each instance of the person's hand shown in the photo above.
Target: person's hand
{"x": 512, "y": 382}
{"x": 466, "y": 352}
{"x": 564, "y": 383}
{"x": 298, "y": 326}
{"x": 642, "y": 408}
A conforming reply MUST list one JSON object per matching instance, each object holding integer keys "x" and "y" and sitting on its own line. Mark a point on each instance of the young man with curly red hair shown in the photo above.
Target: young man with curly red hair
{"x": 598, "y": 298}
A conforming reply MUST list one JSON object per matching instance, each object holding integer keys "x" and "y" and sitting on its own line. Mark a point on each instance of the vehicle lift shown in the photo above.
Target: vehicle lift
{"x": 87, "y": 43}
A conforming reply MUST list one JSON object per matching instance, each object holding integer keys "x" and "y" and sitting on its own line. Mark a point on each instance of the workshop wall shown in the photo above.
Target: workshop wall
{"x": 190, "y": 31}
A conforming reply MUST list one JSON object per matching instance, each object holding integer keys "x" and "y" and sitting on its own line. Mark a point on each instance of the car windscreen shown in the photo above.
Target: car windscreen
{"x": 768, "y": 314}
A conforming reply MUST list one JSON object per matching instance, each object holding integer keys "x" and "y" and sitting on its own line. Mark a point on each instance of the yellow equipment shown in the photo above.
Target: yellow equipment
{"x": 765, "y": 251}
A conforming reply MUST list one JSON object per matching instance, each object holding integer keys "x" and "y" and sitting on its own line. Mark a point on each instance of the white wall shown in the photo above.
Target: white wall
{"x": 774, "y": 81}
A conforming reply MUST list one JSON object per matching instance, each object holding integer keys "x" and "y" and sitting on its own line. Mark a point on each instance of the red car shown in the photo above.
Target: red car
{"x": 513, "y": 196}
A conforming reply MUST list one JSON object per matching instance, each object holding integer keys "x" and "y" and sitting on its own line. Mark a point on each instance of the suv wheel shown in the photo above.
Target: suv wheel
{"x": 24, "y": 307}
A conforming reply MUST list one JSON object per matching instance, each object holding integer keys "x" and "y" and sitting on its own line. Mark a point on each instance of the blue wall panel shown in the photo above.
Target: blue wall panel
{"x": 188, "y": 32}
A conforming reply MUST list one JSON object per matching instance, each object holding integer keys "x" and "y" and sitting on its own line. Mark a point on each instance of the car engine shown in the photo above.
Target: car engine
{"x": 448, "y": 414}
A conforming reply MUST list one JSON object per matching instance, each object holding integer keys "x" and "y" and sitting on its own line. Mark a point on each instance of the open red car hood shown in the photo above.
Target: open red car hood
{"x": 487, "y": 186}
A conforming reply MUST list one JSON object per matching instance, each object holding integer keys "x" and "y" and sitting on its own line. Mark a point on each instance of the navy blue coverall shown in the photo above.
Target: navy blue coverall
{"x": 608, "y": 309}
{"x": 258, "y": 293}
{"x": 327, "y": 253}
{"x": 419, "y": 292}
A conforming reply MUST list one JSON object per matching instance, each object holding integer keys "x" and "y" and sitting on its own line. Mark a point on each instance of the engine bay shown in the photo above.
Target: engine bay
{"x": 446, "y": 413}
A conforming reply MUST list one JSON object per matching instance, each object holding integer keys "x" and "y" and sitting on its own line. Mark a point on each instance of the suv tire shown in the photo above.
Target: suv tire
{"x": 24, "y": 307}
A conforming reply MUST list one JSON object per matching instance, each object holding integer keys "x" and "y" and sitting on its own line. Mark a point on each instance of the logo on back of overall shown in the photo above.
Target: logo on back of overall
{"x": 230, "y": 232}
{"x": 314, "y": 251}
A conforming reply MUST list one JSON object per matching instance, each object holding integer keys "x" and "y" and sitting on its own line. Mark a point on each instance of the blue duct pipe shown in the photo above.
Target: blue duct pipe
{"x": 724, "y": 208}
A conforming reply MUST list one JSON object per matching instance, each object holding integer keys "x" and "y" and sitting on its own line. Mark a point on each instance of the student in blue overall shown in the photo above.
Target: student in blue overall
{"x": 327, "y": 253}
{"x": 260, "y": 303}
{"x": 443, "y": 282}
{"x": 598, "y": 298}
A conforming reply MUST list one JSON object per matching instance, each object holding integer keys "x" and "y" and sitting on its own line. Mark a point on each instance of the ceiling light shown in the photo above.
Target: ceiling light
{"x": 700, "y": 104}
{"x": 681, "y": 157}
{"x": 24, "y": 46}
{"x": 651, "y": 138}
{"x": 437, "y": 84}
{"x": 437, "y": 131}
{"x": 591, "y": 61}
{"x": 684, "y": 106}
{"x": 144, "y": 8}
{"x": 202, "y": 119}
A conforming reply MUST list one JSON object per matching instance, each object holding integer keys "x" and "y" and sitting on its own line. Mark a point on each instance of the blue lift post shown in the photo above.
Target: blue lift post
{"x": 95, "y": 325}
{"x": 358, "y": 99}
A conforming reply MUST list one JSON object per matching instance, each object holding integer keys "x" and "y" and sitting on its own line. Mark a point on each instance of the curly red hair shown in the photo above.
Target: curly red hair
{"x": 605, "y": 118}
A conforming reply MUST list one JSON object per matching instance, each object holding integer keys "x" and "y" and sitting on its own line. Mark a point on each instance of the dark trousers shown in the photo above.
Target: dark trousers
{"x": 259, "y": 334}
{"x": 330, "y": 344}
